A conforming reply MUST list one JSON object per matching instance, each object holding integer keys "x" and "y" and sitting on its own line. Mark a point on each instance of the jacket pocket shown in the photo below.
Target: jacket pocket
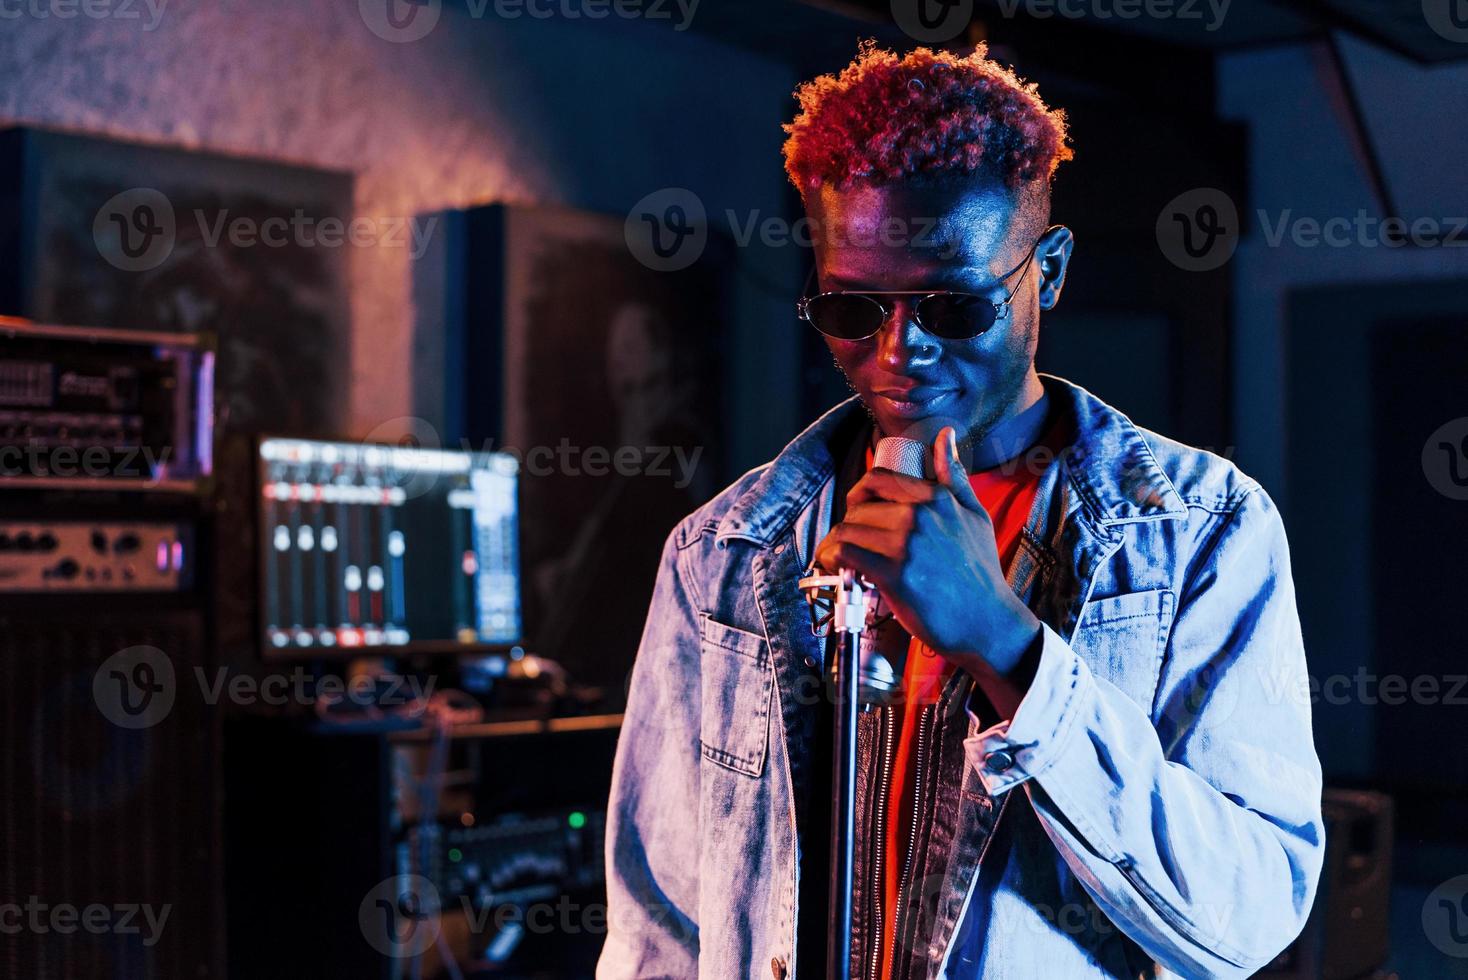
{"x": 738, "y": 680}
{"x": 1122, "y": 638}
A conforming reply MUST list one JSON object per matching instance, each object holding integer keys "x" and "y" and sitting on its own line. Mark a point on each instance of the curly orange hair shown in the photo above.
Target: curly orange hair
{"x": 927, "y": 114}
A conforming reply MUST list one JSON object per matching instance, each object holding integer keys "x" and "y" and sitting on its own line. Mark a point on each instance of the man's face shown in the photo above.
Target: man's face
{"x": 900, "y": 238}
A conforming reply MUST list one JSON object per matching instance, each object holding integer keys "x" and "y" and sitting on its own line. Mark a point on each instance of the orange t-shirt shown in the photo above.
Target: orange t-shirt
{"x": 1007, "y": 492}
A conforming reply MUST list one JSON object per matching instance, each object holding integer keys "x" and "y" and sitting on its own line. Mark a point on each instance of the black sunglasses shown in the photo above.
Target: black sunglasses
{"x": 947, "y": 313}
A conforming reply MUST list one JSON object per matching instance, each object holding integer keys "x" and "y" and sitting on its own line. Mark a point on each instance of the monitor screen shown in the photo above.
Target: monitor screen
{"x": 368, "y": 546}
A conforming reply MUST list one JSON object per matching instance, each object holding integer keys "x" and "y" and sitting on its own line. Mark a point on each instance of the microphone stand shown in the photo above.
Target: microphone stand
{"x": 849, "y": 619}
{"x": 860, "y": 678}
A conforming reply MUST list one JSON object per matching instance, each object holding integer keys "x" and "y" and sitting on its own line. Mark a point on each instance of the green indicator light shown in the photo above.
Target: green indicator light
{"x": 455, "y": 855}
{"x": 577, "y": 820}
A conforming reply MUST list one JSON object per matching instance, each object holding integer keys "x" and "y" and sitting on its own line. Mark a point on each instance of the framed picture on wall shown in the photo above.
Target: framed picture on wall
{"x": 96, "y": 232}
{"x": 603, "y": 376}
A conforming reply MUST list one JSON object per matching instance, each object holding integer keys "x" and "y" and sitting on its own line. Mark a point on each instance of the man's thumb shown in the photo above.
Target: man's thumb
{"x": 949, "y": 471}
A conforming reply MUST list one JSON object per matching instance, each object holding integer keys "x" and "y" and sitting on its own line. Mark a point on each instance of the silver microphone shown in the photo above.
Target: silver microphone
{"x": 906, "y": 456}
{"x": 880, "y": 680}
{"x": 847, "y": 603}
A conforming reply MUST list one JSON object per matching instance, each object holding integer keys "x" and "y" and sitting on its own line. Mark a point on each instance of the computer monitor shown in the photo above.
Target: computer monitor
{"x": 372, "y": 548}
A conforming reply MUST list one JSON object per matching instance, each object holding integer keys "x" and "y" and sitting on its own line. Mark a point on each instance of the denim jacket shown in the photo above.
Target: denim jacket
{"x": 1152, "y": 809}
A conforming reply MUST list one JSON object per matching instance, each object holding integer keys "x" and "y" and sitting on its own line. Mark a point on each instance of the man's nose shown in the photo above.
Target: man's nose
{"x": 901, "y": 343}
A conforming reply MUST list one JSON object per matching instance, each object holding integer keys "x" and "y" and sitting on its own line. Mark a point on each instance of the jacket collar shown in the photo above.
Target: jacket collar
{"x": 1109, "y": 464}
{"x": 787, "y": 484}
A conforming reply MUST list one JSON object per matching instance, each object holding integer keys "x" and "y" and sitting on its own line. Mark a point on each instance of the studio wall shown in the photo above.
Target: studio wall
{"x": 573, "y": 112}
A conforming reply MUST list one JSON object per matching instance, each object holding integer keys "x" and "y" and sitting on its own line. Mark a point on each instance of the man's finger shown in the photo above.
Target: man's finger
{"x": 878, "y": 540}
{"x": 881, "y": 513}
{"x": 949, "y": 472}
{"x": 862, "y": 548}
{"x": 886, "y": 485}
{"x": 874, "y": 567}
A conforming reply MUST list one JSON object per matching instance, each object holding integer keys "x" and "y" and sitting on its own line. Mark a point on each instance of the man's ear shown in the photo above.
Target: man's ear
{"x": 1053, "y": 255}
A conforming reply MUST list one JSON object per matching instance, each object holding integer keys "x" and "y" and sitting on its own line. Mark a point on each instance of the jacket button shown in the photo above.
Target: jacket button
{"x": 777, "y": 968}
{"x": 811, "y": 662}
{"x": 1000, "y": 761}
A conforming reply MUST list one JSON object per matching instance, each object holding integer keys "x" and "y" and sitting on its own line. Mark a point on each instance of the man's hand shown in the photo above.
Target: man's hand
{"x": 929, "y": 548}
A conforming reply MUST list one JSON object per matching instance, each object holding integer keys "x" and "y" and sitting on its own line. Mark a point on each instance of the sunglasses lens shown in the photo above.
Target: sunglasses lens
{"x": 845, "y": 316}
{"x": 956, "y": 316}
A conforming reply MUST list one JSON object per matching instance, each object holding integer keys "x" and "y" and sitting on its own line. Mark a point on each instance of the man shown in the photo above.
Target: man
{"x": 1086, "y": 775}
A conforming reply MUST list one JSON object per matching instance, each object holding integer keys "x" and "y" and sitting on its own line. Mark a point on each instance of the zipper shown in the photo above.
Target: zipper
{"x": 878, "y": 833}
{"x": 918, "y": 783}
{"x": 917, "y": 793}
